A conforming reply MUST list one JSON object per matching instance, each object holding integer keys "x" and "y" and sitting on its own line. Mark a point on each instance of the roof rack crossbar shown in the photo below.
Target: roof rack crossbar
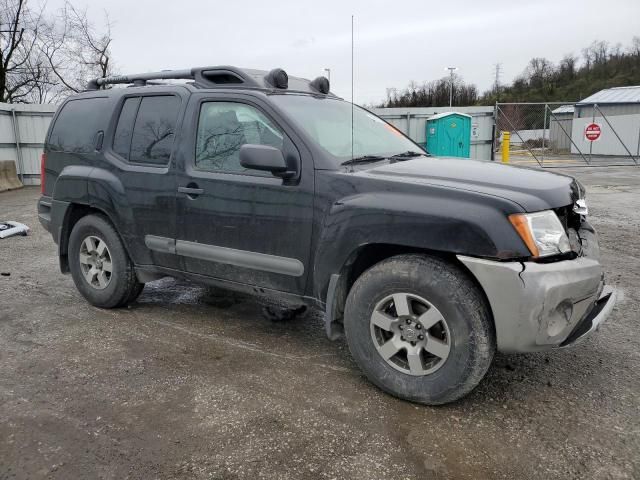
{"x": 201, "y": 75}
{"x": 95, "y": 84}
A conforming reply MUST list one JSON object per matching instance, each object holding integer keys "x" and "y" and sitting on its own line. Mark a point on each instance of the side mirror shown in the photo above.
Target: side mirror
{"x": 265, "y": 158}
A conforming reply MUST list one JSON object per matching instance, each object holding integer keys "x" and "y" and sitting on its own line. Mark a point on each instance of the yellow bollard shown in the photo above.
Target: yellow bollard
{"x": 506, "y": 140}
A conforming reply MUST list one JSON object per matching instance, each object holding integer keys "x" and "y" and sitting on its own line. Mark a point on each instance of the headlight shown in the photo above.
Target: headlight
{"x": 541, "y": 232}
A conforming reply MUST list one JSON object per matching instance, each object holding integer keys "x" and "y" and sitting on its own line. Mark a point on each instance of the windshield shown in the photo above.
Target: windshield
{"x": 328, "y": 122}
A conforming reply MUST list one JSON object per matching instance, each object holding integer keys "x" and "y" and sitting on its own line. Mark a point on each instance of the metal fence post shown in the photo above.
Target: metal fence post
{"x": 544, "y": 130}
{"x": 16, "y": 136}
{"x": 494, "y": 131}
{"x": 593, "y": 120}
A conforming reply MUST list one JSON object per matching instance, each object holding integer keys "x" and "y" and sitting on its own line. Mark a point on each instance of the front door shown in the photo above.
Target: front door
{"x": 242, "y": 225}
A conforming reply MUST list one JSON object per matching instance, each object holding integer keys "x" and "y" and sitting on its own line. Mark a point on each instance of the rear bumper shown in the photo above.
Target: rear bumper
{"x": 44, "y": 212}
{"x": 539, "y": 306}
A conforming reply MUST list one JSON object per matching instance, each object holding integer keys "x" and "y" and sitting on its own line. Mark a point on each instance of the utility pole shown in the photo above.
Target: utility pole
{"x": 328, "y": 70}
{"x": 451, "y": 70}
{"x": 496, "y": 85}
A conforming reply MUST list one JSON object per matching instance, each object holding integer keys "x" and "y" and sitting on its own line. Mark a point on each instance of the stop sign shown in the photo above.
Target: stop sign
{"x": 592, "y": 132}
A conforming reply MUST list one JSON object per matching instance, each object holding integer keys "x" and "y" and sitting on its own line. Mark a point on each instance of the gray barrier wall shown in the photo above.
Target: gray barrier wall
{"x": 413, "y": 122}
{"x": 22, "y": 132}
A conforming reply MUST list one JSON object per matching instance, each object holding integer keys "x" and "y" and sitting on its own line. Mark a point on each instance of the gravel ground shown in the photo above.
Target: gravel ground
{"x": 191, "y": 382}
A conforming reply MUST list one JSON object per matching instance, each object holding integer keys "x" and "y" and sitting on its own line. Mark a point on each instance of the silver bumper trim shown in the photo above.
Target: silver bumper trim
{"x": 609, "y": 295}
{"x": 537, "y": 306}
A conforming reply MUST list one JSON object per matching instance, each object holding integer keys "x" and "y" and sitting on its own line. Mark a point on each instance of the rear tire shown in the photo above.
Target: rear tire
{"x": 420, "y": 329}
{"x": 100, "y": 266}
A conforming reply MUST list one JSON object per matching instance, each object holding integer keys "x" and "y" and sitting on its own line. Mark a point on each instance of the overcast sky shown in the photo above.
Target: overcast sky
{"x": 395, "y": 41}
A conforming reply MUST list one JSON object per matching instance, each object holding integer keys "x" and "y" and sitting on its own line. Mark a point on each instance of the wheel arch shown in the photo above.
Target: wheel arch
{"x": 365, "y": 257}
{"x": 73, "y": 214}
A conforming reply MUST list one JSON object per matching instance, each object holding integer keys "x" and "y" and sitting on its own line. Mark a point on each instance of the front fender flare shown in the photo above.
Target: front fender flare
{"x": 449, "y": 225}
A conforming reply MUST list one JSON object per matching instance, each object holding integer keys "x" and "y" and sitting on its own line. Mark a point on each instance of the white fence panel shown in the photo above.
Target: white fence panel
{"x": 626, "y": 126}
{"x": 22, "y": 132}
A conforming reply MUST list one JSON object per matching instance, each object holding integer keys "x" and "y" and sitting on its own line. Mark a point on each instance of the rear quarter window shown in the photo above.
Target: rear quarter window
{"x": 77, "y": 125}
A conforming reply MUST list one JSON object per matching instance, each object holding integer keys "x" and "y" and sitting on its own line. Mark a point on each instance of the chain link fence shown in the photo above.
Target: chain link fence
{"x": 566, "y": 134}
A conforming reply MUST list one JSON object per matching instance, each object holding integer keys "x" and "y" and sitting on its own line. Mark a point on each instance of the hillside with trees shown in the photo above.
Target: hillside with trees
{"x": 599, "y": 66}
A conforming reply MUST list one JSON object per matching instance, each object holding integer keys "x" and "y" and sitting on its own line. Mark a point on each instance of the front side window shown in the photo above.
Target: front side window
{"x": 146, "y": 129}
{"x": 223, "y": 127}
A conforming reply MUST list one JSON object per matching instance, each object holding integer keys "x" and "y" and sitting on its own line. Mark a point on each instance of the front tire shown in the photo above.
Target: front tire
{"x": 100, "y": 266}
{"x": 420, "y": 329}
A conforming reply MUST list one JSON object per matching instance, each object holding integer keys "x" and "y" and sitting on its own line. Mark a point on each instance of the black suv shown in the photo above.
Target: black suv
{"x": 258, "y": 182}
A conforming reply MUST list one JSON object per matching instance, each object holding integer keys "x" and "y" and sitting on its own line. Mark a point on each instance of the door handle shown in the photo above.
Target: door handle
{"x": 191, "y": 190}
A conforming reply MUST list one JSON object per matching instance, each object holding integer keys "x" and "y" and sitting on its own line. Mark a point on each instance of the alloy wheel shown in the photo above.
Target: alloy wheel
{"x": 95, "y": 262}
{"x": 410, "y": 334}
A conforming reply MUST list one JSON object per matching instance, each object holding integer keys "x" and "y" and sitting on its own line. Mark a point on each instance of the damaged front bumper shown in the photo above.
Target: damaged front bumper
{"x": 539, "y": 306}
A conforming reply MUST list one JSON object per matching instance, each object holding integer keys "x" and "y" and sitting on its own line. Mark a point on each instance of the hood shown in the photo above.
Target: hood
{"x": 533, "y": 190}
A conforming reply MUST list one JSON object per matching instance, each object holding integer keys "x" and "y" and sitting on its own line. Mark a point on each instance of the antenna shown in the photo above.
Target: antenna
{"x": 352, "y": 87}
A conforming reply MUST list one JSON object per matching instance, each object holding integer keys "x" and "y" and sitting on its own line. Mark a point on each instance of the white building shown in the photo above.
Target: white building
{"x": 617, "y": 112}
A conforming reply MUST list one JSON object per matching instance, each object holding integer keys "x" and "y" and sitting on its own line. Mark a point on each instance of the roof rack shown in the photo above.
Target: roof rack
{"x": 221, "y": 76}
{"x": 204, "y": 76}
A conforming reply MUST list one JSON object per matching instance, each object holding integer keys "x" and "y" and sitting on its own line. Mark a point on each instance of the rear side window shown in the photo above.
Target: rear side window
{"x": 78, "y": 124}
{"x": 146, "y": 129}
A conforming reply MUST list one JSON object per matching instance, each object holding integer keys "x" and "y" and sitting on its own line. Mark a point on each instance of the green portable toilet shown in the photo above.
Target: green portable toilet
{"x": 449, "y": 135}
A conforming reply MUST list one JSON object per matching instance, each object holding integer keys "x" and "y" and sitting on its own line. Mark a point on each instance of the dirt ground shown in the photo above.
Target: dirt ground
{"x": 194, "y": 383}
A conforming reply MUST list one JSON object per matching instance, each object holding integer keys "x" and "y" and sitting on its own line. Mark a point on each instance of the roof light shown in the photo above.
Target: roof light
{"x": 277, "y": 78}
{"x": 320, "y": 84}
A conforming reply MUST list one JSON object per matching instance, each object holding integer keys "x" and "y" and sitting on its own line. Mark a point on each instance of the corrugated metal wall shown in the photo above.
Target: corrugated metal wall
{"x": 413, "y": 123}
{"x": 586, "y": 111}
{"x": 22, "y": 132}
{"x": 559, "y": 141}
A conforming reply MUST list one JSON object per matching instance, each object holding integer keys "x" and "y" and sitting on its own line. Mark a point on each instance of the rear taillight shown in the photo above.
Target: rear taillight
{"x": 43, "y": 161}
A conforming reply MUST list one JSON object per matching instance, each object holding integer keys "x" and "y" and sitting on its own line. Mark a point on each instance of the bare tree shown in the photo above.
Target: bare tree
{"x": 434, "y": 94}
{"x": 539, "y": 72}
{"x": 22, "y": 67}
{"x": 45, "y": 58}
{"x": 75, "y": 49}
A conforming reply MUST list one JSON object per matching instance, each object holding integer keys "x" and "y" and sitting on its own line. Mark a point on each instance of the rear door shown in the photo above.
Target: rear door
{"x": 140, "y": 154}
{"x": 243, "y": 225}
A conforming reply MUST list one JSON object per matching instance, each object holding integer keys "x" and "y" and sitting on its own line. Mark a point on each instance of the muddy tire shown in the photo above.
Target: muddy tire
{"x": 100, "y": 266}
{"x": 420, "y": 329}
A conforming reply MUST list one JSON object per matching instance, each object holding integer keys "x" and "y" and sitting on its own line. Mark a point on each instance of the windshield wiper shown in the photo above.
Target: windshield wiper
{"x": 363, "y": 159}
{"x": 409, "y": 154}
